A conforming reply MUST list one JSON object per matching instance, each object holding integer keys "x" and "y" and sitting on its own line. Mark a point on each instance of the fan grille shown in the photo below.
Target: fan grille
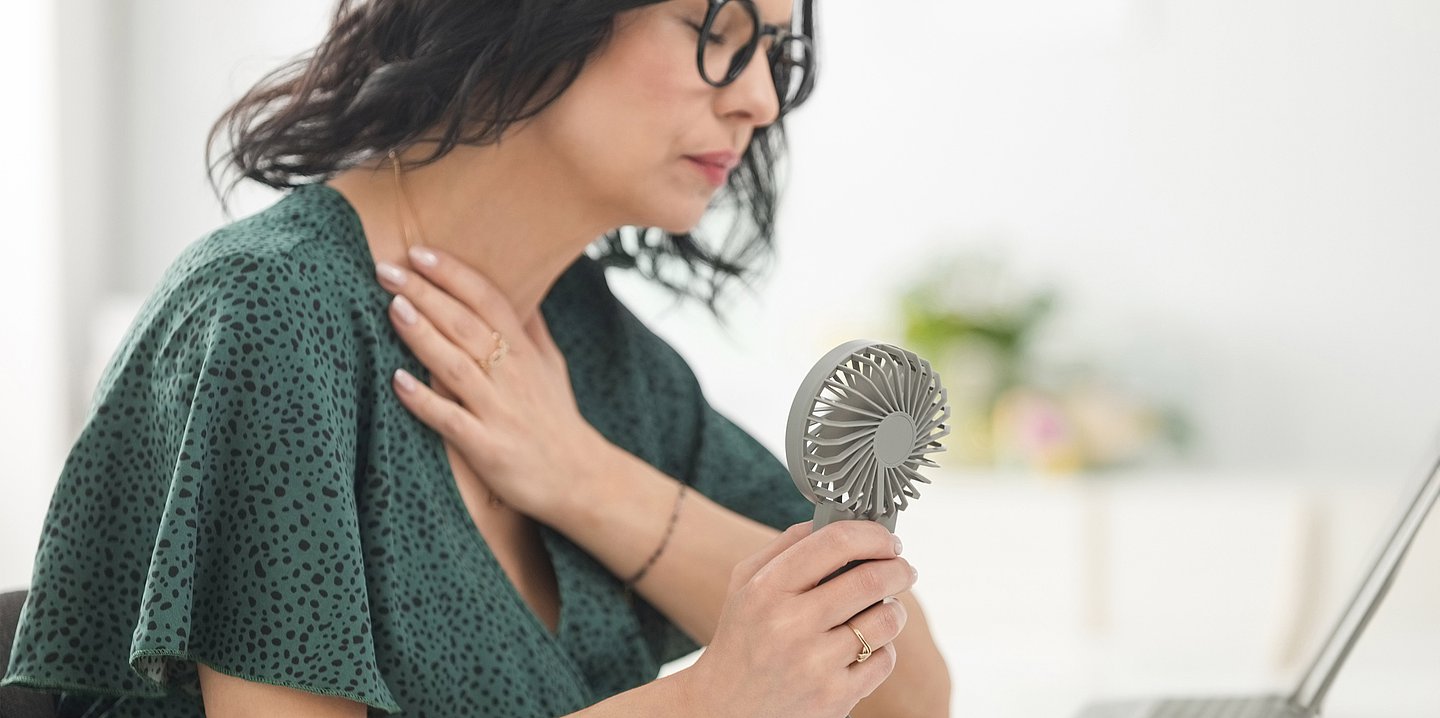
{"x": 876, "y": 416}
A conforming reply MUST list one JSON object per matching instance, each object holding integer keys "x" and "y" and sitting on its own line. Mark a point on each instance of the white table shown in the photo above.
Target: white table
{"x": 1045, "y": 593}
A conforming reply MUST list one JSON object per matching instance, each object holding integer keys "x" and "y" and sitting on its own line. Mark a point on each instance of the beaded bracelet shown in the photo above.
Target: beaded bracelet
{"x": 630, "y": 584}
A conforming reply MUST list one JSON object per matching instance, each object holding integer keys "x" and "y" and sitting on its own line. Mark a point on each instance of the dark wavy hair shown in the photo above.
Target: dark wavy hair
{"x": 388, "y": 70}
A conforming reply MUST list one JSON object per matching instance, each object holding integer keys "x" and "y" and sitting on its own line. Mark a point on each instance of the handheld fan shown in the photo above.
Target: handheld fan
{"x": 859, "y": 430}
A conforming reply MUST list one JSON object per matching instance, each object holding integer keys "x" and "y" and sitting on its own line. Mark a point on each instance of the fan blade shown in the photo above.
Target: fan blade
{"x": 842, "y": 424}
{"x": 895, "y": 374}
{"x": 848, "y": 407}
{"x": 913, "y": 474}
{"x": 918, "y": 380}
{"x": 883, "y": 411}
{"x": 828, "y": 433}
{"x": 934, "y": 421}
{"x": 930, "y": 438}
{"x": 888, "y": 395}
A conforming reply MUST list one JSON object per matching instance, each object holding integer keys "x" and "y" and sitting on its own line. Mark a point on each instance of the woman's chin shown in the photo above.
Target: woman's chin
{"x": 678, "y": 224}
{"x": 681, "y": 214}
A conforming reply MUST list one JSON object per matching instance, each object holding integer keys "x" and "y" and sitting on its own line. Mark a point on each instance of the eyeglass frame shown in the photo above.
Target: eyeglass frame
{"x": 761, "y": 30}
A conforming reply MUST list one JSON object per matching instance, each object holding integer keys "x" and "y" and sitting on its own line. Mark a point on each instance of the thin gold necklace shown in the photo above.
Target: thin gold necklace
{"x": 494, "y": 501}
{"x": 404, "y": 199}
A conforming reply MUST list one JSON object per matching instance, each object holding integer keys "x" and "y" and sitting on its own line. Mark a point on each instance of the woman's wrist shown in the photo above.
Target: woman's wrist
{"x": 617, "y": 496}
{"x": 699, "y": 699}
{"x": 598, "y": 463}
{"x": 673, "y": 695}
{"x": 669, "y": 531}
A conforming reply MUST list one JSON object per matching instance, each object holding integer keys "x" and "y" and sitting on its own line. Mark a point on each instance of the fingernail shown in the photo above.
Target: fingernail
{"x": 898, "y": 545}
{"x": 423, "y": 257}
{"x": 407, "y": 383}
{"x": 914, "y": 573}
{"x": 389, "y": 273}
{"x": 404, "y": 308}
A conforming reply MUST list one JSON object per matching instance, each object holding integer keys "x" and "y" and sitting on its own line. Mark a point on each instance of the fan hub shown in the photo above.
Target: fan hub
{"x": 894, "y": 439}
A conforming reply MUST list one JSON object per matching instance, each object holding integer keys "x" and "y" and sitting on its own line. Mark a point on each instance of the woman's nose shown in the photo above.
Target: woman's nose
{"x": 753, "y": 92}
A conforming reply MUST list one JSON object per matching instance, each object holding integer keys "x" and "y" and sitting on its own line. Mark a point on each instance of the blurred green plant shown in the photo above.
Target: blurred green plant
{"x": 976, "y": 325}
{"x": 933, "y": 328}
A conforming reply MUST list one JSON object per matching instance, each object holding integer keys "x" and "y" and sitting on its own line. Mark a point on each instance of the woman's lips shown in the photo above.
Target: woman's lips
{"x": 714, "y": 173}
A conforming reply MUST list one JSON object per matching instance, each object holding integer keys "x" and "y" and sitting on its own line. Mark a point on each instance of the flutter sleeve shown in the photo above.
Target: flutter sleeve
{"x": 207, "y": 511}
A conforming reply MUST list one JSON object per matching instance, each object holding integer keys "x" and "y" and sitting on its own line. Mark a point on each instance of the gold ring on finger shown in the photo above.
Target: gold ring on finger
{"x": 865, "y": 651}
{"x": 501, "y": 349}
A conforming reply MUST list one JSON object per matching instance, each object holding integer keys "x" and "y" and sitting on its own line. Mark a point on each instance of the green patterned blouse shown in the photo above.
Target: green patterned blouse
{"x": 248, "y": 492}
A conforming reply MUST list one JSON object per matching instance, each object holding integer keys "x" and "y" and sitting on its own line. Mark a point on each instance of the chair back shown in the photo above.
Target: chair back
{"x": 16, "y": 702}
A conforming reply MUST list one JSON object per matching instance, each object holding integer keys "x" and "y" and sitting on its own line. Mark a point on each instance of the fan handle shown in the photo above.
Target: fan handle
{"x": 845, "y": 568}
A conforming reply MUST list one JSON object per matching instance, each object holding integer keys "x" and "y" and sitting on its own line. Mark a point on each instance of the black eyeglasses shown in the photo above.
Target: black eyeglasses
{"x": 728, "y": 39}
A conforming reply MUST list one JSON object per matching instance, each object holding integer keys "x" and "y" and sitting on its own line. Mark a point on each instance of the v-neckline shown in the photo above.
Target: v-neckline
{"x": 547, "y": 545}
{"x": 559, "y": 560}
{"x": 552, "y": 546}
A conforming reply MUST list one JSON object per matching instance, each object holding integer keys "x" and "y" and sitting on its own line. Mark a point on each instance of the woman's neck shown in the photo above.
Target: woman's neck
{"x": 504, "y": 210}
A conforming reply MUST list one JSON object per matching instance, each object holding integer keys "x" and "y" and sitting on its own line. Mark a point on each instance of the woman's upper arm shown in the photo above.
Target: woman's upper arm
{"x": 208, "y": 512}
{"x": 226, "y": 696}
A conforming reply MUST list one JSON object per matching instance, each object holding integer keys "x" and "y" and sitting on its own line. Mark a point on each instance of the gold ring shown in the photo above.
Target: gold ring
{"x": 501, "y": 349}
{"x": 865, "y": 651}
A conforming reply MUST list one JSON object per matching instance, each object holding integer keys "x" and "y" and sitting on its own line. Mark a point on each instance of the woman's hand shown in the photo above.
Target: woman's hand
{"x": 517, "y": 425}
{"x": 782, "y": 638}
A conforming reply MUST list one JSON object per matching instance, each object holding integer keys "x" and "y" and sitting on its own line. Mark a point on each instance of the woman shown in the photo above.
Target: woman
{"x": 391, "y": 445}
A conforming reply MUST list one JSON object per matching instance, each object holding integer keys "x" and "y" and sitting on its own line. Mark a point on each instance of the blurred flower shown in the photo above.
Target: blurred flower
{"x": 1032, "y": 431}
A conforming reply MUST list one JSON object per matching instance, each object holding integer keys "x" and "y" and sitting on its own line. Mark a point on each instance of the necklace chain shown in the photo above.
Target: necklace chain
{"x": 409, "y": 212}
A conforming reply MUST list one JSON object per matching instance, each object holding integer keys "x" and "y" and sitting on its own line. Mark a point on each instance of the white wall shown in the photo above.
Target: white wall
{"x": 106, "y": 186}
{"x": 32, "y": 427}
{"x": 1235, "y": 196}
{"x": 1238, "y": 197}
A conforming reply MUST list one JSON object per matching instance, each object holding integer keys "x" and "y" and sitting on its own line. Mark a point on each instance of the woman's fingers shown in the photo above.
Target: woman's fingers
{"x": 460, "y": 283}
{"x": 875, "y": 669}
{"x": 880, "y": 624}
{"x": 850, "y": 593}
{"x": 807, "y": 562}
{"x": 432, "y": 407}
{"x": 453, "y": 365}
{"x": 456, "y": 321}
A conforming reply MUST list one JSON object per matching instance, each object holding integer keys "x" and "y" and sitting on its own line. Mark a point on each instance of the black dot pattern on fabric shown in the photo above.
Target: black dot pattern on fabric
{"x": 247, "y": 492}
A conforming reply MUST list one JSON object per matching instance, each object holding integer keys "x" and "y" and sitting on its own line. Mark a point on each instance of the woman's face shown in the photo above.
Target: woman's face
{"x": 625, "y": 128}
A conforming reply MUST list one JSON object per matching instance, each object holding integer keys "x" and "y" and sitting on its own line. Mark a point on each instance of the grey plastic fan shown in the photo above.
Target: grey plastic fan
{"x": 861, "y": 426}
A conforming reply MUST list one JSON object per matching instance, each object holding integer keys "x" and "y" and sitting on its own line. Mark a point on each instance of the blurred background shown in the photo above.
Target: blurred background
{"x": 1174, "y": 259}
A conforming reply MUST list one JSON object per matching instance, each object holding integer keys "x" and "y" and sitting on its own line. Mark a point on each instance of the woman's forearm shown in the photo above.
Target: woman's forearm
{"x": 670, "y": 695}
{"x": 622, "y": 519}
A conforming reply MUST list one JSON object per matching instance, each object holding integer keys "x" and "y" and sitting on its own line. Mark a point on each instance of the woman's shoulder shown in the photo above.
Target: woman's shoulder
{"x": 301, "y": 260}
{"x": 264, "y": 291}
{"x": 307, "y": 235}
